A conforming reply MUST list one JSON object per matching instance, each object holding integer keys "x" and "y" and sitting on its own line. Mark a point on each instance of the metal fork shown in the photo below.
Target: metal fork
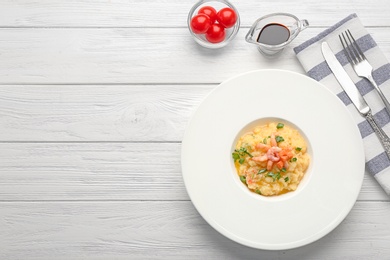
{"x": 359, "y": 62}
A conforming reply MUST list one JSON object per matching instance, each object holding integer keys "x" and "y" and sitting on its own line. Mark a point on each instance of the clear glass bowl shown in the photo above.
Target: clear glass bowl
{"x": 230, "y": 32}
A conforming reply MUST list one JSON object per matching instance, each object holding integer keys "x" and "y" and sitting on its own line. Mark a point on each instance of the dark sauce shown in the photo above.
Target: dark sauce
{"x": 273, "y": 34}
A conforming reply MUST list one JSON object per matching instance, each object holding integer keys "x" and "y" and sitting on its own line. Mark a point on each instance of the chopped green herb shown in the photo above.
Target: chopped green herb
{"x": 236, "y": 156}
{"x": 298, "y": 148}
{"x": 261, "y": 171}
{"x": 265, "y": 141}
{"x": 294, "y": 159}
{"x": 258, "y": 191}
{"x": 286, "y": 179}
{"x": 243, "y": 179}
{"x": 240, "y": 155}
{"x": 280, "y": 125}
{"x": 279, "y": 139}
{"x": 269, "y": 136}
{"x": 248, "y": 154}
{"x": 275, "y": 176}
{"x": 283, "y": 169}
{"x": 243, "y": 151}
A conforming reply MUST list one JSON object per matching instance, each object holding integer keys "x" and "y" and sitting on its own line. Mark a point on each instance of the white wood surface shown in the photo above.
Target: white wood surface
{"x": 167, "y": 229}
{"x": 91, "y": 90}
{"x": 134, "y": 55}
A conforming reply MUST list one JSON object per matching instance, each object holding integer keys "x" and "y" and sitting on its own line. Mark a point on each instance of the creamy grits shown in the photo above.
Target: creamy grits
{"x": 271, "y": 159}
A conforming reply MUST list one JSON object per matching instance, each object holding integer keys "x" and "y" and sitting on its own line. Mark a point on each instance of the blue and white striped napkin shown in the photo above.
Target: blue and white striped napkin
{"x": 310, "y": 55}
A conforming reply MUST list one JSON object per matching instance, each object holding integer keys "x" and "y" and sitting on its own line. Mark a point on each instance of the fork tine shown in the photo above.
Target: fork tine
{"x": 349, "y": 51}
{"x": 345, "y": 50}
{"x": 353, "y": 47}
{"x": 357, "y": 46}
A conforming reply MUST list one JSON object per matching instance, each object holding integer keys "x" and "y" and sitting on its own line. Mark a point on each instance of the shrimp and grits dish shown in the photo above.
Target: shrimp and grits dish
{"x": 271, "y": 159}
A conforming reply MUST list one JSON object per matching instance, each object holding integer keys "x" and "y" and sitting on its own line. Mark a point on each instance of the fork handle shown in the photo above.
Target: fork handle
{"x": 387, "y": 104}
{"x": 383, "y": 138}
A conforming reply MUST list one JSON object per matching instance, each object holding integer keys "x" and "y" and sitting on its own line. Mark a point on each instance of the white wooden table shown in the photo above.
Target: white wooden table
{"x": 94, "y": 100}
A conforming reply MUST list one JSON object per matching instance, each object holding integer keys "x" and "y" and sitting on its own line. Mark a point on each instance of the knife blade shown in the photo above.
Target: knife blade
{"x": 344, "y": 80}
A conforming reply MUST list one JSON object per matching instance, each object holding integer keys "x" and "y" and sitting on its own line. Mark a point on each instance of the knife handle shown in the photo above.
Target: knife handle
{"x": 383, "y": 138}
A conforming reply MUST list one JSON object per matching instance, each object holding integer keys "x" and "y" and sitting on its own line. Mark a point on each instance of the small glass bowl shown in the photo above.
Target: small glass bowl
{"x": 230, "y": 32}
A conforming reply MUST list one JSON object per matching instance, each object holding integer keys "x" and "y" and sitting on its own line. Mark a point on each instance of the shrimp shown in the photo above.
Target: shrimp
{"x": 261, "y": 158}
{"x": 273, "y": 140}
{"x": 273, "y": 153}
{"x": 280, "y": 164}
{"x": 261, "y": 146}
{"x": 286, "y": 154}
{"x": 250, "y": 175}
{"x": 249, "y": 180}
{"x": 269, "y": 165}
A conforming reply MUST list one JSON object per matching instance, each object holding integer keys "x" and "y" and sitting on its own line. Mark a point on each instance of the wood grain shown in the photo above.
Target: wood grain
{"x": 167, "y": 230}
{"x": 103, "y": 171}
{"x": 98, "y": 112}
{"x": 134, "y": 55}
{"x": 173, "y": 13}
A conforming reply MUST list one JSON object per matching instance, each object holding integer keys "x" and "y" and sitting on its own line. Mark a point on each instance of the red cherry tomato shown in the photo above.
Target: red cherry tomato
{"x": 216, "y": 33}
{"x": 210, "y": 12}
{"x": 200, "y": 23}
{"x": 227, "y": 17}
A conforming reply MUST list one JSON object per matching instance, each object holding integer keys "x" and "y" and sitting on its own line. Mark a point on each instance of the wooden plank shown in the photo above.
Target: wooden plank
{"x": 106, "y": 171}
{"x": 162, "y": 13}
{"x": 103, "y": 171}
{"x": 166, "y": 230}
{"x": 122, "y": 56}
{"x": 135, "y": 55}
{"x": 97, "y": 113}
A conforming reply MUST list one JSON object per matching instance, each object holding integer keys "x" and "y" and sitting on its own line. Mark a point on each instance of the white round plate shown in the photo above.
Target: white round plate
{"x": 331, "y": 184}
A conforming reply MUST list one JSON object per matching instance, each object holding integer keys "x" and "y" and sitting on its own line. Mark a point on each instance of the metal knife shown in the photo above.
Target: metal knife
{"x": 354, "y": 94}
